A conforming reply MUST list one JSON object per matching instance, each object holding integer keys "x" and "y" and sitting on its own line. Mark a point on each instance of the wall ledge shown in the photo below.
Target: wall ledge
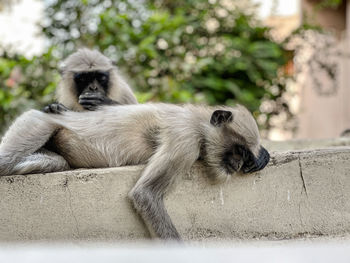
{"x": 299, "y": 194}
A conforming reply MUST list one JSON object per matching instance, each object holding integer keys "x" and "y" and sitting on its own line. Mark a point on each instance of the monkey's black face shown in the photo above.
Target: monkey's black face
{"x": 226, "y": 151}
{"x": 240, "y": 158}
{"x": 92, "y": 89}
{"x": 91, "y": 82}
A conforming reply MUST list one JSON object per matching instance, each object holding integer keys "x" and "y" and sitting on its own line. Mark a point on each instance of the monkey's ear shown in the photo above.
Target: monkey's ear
{"x": 61, "y": 71}
{"x": 61, "y": 68}
{"x": 220, "y": 117}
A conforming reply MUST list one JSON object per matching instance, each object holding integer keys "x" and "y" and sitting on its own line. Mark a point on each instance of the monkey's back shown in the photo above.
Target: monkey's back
{"x": 113, "y": 136}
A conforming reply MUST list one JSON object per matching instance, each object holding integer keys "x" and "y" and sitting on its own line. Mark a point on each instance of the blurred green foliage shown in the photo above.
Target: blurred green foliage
{"x": 181, "y": 51}
{"x": 329, "y": 3}
{"x": 25, "y": 83}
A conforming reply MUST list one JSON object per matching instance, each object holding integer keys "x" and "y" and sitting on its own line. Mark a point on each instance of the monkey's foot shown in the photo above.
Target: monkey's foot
{"x": 55, "y": 108}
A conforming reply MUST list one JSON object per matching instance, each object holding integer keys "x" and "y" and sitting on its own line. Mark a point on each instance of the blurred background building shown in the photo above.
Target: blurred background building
{"x": 305, "y": 95}
{"x": 324, "y": 87}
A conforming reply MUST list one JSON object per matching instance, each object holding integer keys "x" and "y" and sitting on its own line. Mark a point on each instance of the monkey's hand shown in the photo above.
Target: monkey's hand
{"x": 91, "y": 101}
{"x": 55, "y": 108}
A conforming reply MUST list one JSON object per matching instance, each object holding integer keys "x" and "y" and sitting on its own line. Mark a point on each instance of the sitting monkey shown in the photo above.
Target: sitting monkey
{"x": 89, "y": 80}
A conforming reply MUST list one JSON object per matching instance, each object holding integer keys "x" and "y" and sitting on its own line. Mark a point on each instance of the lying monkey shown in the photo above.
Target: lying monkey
{"x": 167, "y": 138}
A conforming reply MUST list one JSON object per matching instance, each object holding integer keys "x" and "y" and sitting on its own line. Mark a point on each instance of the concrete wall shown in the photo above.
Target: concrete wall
{"x": 299, "y": 194}
{"x": 328, "y": 18}
{"x": 324, "y": 107}
{"x": 300, "y": 144}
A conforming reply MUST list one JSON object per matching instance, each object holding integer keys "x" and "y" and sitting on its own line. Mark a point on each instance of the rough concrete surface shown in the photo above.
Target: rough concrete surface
{"x": 302, "y": 144}
{"x": 299, "y": 194}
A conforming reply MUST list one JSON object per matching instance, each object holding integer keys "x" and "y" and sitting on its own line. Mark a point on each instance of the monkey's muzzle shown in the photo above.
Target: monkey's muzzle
{"x": 259, "y": 163}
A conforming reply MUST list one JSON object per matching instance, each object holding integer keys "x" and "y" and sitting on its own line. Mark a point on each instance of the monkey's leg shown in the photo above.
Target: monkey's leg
{"x": 147, "y": 195}
{"x": 41, "y": 162}
{"x": 26, "y": 135}
{"x": 147, "y": 198}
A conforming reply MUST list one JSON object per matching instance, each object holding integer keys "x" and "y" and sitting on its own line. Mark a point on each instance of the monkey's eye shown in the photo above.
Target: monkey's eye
{"x": 79, "y": 77}
{"x": 247, "y": 156}
{"x": 102, "y": 78}
{"x": 240, "y": 150}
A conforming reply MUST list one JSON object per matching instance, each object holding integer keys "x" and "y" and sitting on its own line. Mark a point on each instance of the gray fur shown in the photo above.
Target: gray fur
{"x": 168, "y": 138}
{"x": 91, "y": 60}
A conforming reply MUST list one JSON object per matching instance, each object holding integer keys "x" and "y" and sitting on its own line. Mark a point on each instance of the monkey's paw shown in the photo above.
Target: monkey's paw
{"x": 55, "y": 108}
{"x": 92, "y": 101}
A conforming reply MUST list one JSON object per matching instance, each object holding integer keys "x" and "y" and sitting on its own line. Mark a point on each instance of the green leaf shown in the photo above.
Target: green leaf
{"x": 264, "y": 50}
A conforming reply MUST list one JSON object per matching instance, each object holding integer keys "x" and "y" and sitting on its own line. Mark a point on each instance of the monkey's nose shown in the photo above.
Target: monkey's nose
{"x": 92, "y": 87}
{"x": 262, "y": 160}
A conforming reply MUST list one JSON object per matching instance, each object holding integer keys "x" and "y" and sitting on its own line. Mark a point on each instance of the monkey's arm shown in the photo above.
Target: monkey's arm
{"x": 91, "y": 101}
{"x": 147, "y": 195}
